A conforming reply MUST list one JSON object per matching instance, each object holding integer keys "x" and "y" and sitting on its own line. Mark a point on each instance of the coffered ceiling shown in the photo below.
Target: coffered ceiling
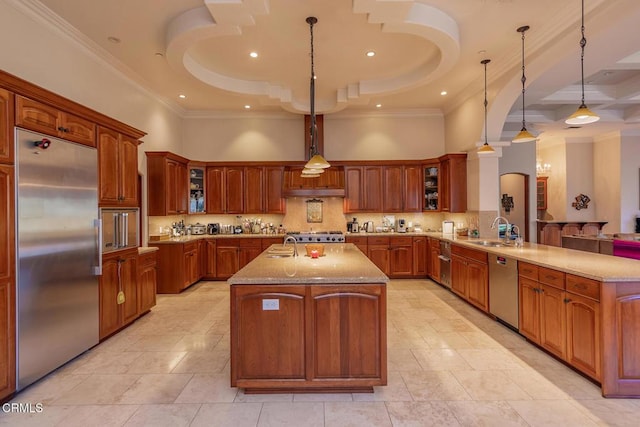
{"x": 200, "y": 49}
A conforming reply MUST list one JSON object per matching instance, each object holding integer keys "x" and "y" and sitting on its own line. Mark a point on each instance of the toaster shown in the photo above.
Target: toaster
{"x": 198, "y": 228}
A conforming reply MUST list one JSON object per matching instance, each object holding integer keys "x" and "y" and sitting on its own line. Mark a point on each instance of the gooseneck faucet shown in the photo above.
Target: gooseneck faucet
{"x": 507, "y": 231}
{"x": 295, "y": 244}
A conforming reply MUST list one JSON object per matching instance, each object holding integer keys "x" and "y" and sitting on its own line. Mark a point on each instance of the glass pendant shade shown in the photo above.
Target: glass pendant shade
{"x": 582, "y": 116}
{"x": 524, "y": 136}
{"x": 317, "y": 162}
{"x": 486, "y": 149}
{"x": 312, "y": 171}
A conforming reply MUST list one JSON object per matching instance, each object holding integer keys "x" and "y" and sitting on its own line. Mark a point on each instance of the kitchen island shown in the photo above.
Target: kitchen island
{"x": 302, "y": 324}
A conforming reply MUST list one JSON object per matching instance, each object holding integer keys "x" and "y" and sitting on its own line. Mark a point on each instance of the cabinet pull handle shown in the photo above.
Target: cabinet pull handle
{"x": 567, "y": 300}
{"x": 580, "y": 286}
{"x": 550, "y": 277}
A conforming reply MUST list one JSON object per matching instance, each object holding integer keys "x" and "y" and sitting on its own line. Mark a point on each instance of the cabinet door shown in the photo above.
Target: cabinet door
{"x": 445, "y": 186}
{"x": 234, "y": 190}
{"x": 7, "y": 283}
{"x": 128, "y": 174}
{"x": 392, "y": 189}
{"x": 172, "y": 173}
{"x": 274, "y": 202}
{"x": 253, "y": 189}
{"x": 129, "y": 286}
{"x": 434, "y": 263}
{"x": 191, "y": 268}
{"x": 6, "y": 126}
{"x": 182, "y": 188}
{"x": 372, "y": 185}
{"x": 36, "y": 116}
{"x": 420, "y": 256}
{"x": 529, "y": 311}
{"x": 331, "y": 178}
{"x": 348, "y": 332}
{"x": 247, "y": 255}
{"x": 412, "y": 189}
{"x": 77, "y": 129}
{"x": 553, "y": 325}
{"x": 401, "y": 261}
{"x": 215, "y": 190}
{"x": 108, "y": 168}
{"x": 210, "y": 269}
{"x": 147, "y": 282}
{"x": 353, "y": 199}
{"x": 459, "y": 276}
{"x": 583, "y": 335}
{"x": 226, "y": 261}
{"x": 110, "y": 314}
{"x": 379, "y": 255}
{"x": 478, "y": 284}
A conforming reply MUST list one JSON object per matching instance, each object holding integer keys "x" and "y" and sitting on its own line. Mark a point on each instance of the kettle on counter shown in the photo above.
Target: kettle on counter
{"x": 369, "y": 227}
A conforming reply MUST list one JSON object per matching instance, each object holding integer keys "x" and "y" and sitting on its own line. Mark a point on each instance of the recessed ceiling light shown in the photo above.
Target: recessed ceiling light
{"x": 253, "y": 54}
{"x": 247, "y": 107}
{"x": 371, "y": 53}
{"x": 443, "y": 93}
{"x": 378, "y": 105}
{"x": 113, "y": 39}
{"x": 181, "y": 96}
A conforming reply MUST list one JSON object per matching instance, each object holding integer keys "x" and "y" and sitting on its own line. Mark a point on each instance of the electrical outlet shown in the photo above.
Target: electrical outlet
{"x": 270, "y": 304}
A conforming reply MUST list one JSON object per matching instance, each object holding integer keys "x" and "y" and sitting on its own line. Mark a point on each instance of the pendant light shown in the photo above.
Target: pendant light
{"x": 486, "y": 148}
{"x": 524, "y": 135}
{"x": 316, "y": 164}
{"x": 583, "y": 115}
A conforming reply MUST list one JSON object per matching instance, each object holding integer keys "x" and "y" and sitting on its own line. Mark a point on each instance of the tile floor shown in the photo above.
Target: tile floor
{"x": 449, "y": 365}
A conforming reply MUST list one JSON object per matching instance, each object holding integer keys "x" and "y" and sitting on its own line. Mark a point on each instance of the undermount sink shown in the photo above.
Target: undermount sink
{"x": 487, "y": 243}
{"x": 279, "y": 255}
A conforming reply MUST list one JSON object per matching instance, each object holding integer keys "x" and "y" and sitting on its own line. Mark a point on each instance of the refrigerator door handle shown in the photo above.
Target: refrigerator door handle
{"x": 124, "y": 230}
{"x": 116, "y": 231}
{"x": 97, "y": 269}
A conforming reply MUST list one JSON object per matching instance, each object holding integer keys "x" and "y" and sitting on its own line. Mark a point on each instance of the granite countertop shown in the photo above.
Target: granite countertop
{"x": 195, "y": 237}
{"x": 342, "y": 263}
{"x": 605, "y": 268}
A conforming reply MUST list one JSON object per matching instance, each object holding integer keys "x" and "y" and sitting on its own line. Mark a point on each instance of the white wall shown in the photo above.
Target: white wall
{"x": 520, "y": 159}
{"x": 555, "y": 154}
{"x": 513, "y": 184}
{"x": 629, "y": 182}
{"x": 579, "y": 170}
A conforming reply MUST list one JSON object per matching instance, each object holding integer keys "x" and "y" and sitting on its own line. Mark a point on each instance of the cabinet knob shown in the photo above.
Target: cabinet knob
{"x": 567, "y": 300}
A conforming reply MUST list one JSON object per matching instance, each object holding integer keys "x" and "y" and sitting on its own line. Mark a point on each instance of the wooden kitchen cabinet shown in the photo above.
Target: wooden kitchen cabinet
{"x": 43, "y": 118}
{"x": 420, "y": 256}
{"x": 119, "y": 274}
{"x": 541, "y": 193}
{"x": 452, "y": 184}
{"x": 7, "y": 283}
{"x": 191, "y": 265}
{"x": 274, "y": 202}
{"x": 227, "y": 260}
{"x": 470, "y": 275}
{"x": 378, "y": 252}
{"x": 402, "y": 188}
{"x": 168, "y": 183}
{"x": 253, "y": 190}
{"x": 178, "y": 266}
{"x": 249, "y": 249}
{"x": 433, "y": 266}
{"x": 331, "y": 183}
{"x": 225, "y": 190}
{"x": 6, "y": 126}
{"x": 320, "y": 337}
{"x": 210, "y": 260}
{"x": 363, "y": 189}
{"x": 197, "y": 187}
{"x": 117, "y": 169}
{"x": 400, "y": 257}
{"x": 362, "y": 242}
{"x": 147, "y": 281}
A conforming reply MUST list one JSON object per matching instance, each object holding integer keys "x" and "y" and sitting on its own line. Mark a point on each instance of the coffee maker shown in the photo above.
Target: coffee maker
{"x": 352, "y": 226}
{"x": 402, "y": 226}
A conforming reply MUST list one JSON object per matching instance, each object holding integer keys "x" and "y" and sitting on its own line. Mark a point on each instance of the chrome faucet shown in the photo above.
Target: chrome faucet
{"x": 295, "y": 244}
{"x": 508, "y": 230}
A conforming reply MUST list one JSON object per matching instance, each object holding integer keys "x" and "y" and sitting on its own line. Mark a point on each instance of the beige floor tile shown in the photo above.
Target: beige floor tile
{"x": 395, "y": 391}
{"x": 489, "y": 385}
{"x": 294, "y": 414}
{"x": 401, "y": 359}
{"x": 98, "y": 415}
{"x": 324, "y": 397}
{"x": 337, "y": 414}
{"x": 452, "y": 325}
{"x": 107, "y": 363}
{"x": 434, "y": 385}
{"x": 486, "y": 413}
{"x": 536, "y": 385}
{"x": 421, "y": 414}
{"x": 176, "y": 415}
{"x": 156, "y": 362}
{"x": 154, "y": 343}
{"x": 207, "y": 388}
{"x": 203, "y": 362}
{"x": 572, "y": 383}
{"x": 97, "y": 390}
{"x": 491, "y": 359}
{"x": 440, "y": 359}
{"x": 155, "y": 388}
{"x": 200, "y": 342}
{"x": 551, "y": 413}
{"x": 48, "y": 389}
{"x": 446, "y": 340}
{"x": 241, "y": 397}
{"x": 30, "y": 417}
{"x": 611, "y": 412}
{"x": 227, "y": 415}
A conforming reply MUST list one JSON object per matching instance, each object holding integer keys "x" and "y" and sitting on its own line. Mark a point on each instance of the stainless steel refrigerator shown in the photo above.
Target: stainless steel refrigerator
{"x": 58, "y": 253}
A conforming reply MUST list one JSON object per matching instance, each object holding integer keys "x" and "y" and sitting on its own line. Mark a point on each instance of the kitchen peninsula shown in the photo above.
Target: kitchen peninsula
{"x": 302, "y": 324}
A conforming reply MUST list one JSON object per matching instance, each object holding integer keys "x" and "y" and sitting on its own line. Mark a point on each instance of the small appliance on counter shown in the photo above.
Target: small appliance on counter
{"x": 352, "y": 226}
{"x": 198, "y": 229}
{"x": 402, "y": 226}
{"x": 213, "y": 228}
{"x": 447, "y": 227}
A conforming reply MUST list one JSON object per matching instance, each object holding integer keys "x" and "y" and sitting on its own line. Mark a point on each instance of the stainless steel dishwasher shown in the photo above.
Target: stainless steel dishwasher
{"x": 445, "y": 263}
{"x": 503, "y": 289}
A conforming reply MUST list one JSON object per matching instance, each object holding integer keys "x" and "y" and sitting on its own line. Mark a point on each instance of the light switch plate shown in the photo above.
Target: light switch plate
{"x": 270, "y": 304}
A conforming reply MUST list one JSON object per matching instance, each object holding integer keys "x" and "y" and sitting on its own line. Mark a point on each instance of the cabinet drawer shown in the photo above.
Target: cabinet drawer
{"x": 528, "y": 270}
{"x": 551, "y": 277}
{"x": 251, "y": 242}
{"x": 401, "y": 241}
{"x": 147, "y": 259}
{"x": 191, "y": 246}
{"x": 379, "y": 240}
{"x": 225, "y": 242}
{"x": 469, "y": 253}
{"x": 583, "y": 286}
{"x": 356, "y": 240}
{"x": 433, "y": 242}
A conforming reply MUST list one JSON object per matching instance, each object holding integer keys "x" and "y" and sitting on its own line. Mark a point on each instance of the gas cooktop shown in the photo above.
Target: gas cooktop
{"x": 318, "y": 236}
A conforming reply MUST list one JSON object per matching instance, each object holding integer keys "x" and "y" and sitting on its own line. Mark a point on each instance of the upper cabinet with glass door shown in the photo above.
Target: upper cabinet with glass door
{"x": 196, "y": 189}
{"x": 431, "y": 186}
